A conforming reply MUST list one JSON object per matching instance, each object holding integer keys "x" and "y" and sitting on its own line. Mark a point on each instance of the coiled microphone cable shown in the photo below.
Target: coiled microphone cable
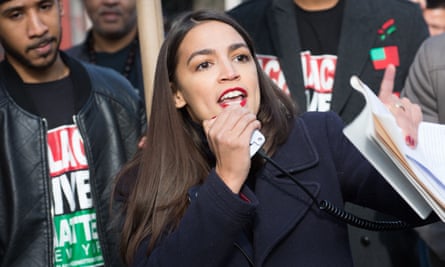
{"x": 338, "y": 213}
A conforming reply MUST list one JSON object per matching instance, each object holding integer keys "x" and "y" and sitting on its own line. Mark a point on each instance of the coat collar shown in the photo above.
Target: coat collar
{"x": 14, "y": 85}
{"x": 283, "y": 204}
{"x": 358, "y": 35}
{"x": 282, "y": 25}
{"x": 282, "y": 200}
{"x": 299, "y": 140}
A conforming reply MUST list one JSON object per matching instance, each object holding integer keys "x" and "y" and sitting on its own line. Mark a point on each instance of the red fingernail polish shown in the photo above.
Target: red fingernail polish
{"x": 213, "y": 117}
{"x": 409, "y": 140}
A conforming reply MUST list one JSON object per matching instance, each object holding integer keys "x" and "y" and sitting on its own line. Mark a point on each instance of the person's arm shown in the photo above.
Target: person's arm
{"x": 419, "y": 86}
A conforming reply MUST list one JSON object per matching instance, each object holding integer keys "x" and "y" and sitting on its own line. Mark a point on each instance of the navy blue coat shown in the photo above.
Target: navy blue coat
{"x": 273, "y": 26}
{"x": 286, "y": 227}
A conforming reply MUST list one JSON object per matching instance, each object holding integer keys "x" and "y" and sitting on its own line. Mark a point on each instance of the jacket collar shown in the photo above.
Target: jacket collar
{"x": 14, "y": 85}
{"x": 358, "y": 35}
{"x": 300, "y": 141}
{"x": 281, "y": 199}
{"x": 282, "y": 25}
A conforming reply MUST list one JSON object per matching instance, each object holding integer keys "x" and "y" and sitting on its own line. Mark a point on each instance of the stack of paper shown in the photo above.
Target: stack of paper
{"x": 418, "y": 175}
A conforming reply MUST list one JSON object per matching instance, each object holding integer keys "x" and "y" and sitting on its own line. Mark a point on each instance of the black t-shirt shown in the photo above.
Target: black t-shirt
{"x": 319, "y": 33}
{"x": 53, "y": 101}
{"x": 119, "y": 61}
{"x": 74, "y": 213}
{"x": 320, "y": 30}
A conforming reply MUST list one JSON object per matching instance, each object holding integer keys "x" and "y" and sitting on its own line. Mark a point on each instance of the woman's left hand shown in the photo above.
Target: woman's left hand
{"x": 408, "y": 115}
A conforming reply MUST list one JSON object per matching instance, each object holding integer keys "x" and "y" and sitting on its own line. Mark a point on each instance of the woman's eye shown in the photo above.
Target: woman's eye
{"x": 242, "y": 58}
{"x": 203, "y": 65}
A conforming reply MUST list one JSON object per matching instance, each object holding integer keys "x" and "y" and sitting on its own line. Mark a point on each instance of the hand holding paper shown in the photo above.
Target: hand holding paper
{"x": 417, "y": 174}
{"x": 408, "y": 115}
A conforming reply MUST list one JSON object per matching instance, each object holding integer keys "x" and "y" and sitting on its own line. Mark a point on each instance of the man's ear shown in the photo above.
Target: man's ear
{"x": 179, "y": 99}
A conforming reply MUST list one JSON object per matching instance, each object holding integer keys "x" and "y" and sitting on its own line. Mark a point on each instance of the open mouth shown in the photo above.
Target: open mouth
{"x": 234, "y": 96}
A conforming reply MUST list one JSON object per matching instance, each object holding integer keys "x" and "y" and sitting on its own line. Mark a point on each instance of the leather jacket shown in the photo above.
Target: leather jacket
{"x": 110, "y": 117}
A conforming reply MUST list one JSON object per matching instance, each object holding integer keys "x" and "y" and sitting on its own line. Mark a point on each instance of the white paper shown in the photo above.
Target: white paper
{"x": 366, "y": 144}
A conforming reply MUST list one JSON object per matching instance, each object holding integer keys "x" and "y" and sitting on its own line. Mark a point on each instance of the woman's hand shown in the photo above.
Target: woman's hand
{"x": 228, "y": 136}
{"x": 408, "y": 115}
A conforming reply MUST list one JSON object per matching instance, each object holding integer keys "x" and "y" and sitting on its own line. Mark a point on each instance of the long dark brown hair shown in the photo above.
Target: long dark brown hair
{"x": 174, "y": 157}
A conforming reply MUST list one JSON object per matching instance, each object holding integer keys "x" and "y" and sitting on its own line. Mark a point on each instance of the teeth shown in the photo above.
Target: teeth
{"x": 231, "y": 94}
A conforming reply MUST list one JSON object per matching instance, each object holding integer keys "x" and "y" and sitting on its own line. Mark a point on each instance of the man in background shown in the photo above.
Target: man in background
{"x": 112, "y": 40}
{"x": 67, "y": 127}
{"x": 434, "y": 15}
{"x": 425, "y": 85}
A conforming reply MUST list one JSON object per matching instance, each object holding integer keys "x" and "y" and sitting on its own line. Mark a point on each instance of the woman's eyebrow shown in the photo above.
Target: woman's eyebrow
{"x": 206, "y": 51}
{"x": 236, "y": 46}
{"x": 200, "y": 52}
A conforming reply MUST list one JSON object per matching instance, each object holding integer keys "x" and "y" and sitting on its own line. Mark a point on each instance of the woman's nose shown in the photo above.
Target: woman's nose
{"x": 229, "y": 72}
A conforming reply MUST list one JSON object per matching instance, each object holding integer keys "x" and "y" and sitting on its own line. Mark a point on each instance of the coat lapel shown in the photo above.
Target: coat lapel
{"x": 358, "y": 35}
{"x": 282, "y": 203}
{"x": 285, "y": 38}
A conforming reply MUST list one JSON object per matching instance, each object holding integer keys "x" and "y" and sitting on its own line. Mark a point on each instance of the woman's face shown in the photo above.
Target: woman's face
{"x": 215, "y": 69}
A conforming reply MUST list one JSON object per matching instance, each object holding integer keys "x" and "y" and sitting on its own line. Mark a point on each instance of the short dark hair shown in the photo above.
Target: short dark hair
{"x": 435, "y": 4}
